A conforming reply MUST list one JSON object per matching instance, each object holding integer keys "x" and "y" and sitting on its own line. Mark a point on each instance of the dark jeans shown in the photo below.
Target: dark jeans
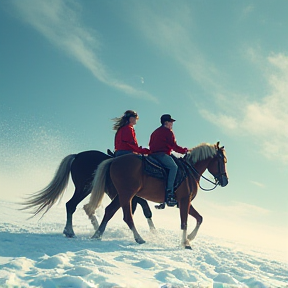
{"x": 168, "y": 162}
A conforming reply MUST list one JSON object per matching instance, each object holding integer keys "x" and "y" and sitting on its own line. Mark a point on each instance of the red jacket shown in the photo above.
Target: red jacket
{"x": 125, "y": 139}
{"x": 163, "y": 140}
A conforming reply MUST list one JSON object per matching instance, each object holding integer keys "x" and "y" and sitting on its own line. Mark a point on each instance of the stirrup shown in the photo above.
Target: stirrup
{"x": 171, "y": 201}
{"x": 160, "y": 206}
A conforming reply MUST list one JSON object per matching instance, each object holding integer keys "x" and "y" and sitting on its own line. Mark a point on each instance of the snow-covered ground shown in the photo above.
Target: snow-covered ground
{"x": 34, "y": 253}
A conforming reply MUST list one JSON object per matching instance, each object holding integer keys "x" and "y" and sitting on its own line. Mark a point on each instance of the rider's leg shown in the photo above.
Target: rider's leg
{"x": 170, "y": 164}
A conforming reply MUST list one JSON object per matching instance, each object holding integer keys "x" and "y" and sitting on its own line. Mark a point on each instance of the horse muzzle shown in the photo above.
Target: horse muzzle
{"x": 222, "y": 179}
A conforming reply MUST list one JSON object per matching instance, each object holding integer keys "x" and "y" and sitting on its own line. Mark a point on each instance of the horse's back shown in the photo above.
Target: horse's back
{"x": 126, "y": 164}
{"x": 86, "y": 163}
{"x": 92, "y": 154}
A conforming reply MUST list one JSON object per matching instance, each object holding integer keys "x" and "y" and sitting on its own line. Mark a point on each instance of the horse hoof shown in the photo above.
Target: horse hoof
{"x": 188, "y": 247}
{"x": 140, "y": 241}
{"x": 97, "y": 236}
{"x": 153, "y": 231}
{"x": 69, "y": 234}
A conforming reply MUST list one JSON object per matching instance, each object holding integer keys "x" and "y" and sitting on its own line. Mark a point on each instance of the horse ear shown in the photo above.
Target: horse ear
{"x": 217, "y": 145}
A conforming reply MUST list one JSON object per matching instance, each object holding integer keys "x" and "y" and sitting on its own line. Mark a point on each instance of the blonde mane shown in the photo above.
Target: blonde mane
{"x": 201, "y": 152}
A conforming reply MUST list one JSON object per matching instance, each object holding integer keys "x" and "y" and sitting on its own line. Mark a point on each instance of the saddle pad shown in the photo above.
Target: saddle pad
{"x": 153, "y": 168}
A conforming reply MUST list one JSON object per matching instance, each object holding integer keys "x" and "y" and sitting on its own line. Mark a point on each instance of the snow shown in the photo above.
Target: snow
{"x": 34, "y": 253}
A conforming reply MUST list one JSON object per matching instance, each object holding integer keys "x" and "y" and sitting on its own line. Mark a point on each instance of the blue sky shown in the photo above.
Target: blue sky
{"x": 220, "y": 68}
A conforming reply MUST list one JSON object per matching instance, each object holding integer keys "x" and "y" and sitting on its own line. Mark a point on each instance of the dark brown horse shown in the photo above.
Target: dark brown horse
{"x": 82, "y": 167}
{"x": 127, "y": 177}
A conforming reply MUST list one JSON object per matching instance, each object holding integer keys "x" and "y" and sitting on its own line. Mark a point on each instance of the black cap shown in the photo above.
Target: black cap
{"x": 166, "y": 117}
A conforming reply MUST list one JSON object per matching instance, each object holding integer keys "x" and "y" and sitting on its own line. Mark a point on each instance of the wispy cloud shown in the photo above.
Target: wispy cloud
{"x": 238, "y": 211}
{"x": 264, "y": 121}
{"x": 248, "y": 10}
{"x": 170, "y": 30}
{"x": 258, "y": 184}
{"x": 60, "y": 23}
{"x": 241, "y": 209}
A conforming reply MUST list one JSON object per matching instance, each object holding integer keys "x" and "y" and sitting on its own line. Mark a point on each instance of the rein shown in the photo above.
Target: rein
{"x": 195, "y": 171}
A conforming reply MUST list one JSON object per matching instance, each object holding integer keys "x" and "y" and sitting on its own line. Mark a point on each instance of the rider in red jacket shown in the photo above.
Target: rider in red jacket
{"x": 163, "y": 140}
{"x": 125, "y": 138}
{"x": 162, "y": 143}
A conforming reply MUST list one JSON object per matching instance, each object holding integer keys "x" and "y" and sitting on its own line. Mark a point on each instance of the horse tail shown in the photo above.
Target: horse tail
{"x": 98, "y": 187}
{"x": 45, "y": 198}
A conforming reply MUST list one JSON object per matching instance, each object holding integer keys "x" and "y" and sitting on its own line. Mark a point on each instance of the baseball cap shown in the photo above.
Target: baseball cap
{"x": 166, "y": 117}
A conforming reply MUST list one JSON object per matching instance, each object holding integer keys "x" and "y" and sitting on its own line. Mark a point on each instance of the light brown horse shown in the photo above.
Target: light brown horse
{"x": 128, "y": 178}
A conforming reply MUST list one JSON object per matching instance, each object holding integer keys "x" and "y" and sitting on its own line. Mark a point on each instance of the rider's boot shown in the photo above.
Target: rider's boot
{"x": 171, "y": 198}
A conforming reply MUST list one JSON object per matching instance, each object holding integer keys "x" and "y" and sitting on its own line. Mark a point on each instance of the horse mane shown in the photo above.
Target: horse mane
{"x": 201, "y": 152}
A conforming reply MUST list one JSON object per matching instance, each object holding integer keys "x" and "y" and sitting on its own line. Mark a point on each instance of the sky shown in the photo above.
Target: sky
{"x": 220, "y": 68}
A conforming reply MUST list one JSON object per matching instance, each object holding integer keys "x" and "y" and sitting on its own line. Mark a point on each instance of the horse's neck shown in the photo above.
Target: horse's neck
{"x": 201, "y": 166}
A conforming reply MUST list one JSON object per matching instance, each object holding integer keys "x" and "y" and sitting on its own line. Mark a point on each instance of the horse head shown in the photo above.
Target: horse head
{"x": 217, "y": 166}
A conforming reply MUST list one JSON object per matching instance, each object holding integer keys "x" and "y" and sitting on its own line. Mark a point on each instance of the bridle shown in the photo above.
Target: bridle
{"x": 220, "y": 159}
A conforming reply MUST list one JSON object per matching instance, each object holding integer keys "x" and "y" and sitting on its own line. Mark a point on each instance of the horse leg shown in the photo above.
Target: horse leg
{"x": 68, "y": 229}
{"x": 110, "y": 210}
{"x": 71, "y": 205}
{"x": 134, "y": 204}
{"x": 184, "y": 204}
{"x": 129, "y": 221}
{"x": 199, "y": 220}
{"x": 70, "y": 209}
{"x": 146, "y": 210}
{"x": 93, "y": 220}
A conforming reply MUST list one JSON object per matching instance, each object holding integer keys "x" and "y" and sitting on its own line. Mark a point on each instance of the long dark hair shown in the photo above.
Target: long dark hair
{"x": 123, "y": 120}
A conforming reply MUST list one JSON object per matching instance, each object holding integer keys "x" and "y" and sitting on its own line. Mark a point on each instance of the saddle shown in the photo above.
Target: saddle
{"x": 154, "y": 168}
